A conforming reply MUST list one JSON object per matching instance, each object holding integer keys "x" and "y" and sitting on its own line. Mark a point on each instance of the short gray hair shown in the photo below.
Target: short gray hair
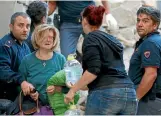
{"x": 15, "y": 15}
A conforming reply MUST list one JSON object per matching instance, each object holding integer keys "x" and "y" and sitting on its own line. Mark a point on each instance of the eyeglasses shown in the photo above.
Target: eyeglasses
{"x": 80, "y": 19}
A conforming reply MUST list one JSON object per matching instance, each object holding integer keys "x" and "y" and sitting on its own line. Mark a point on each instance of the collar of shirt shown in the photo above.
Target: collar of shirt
{"x": 11, "y": 34}
{"x": 143, "y": 38}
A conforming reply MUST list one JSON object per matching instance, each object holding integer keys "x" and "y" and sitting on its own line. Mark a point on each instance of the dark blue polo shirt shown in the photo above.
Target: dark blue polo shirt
{"x": 147, "y": 54}
{"x": 70, "y": 11}
{"x": 11, "y": 54}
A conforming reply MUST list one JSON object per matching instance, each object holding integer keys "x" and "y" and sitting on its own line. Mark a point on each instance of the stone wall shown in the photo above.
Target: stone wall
{"x": 7, "y": 8}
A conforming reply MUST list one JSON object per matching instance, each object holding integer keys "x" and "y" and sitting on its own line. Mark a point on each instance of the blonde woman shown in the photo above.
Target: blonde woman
{"x": 40, "y": 65}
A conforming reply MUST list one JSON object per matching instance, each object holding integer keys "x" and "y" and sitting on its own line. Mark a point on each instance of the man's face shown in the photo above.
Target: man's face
{"x": 21, "y": 28}
{"x": 145, "y": 25}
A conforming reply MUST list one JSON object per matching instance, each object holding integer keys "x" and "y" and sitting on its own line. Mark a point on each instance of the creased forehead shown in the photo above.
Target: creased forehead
{"x": 22, "y": 19}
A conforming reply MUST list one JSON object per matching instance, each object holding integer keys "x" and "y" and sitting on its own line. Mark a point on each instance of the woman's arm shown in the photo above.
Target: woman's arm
{"x": 84, "y": 80}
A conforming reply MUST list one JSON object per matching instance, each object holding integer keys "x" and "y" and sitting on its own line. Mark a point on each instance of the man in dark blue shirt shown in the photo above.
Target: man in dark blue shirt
{"x": 12, "y": 51}
{"x": 145, "y": 63}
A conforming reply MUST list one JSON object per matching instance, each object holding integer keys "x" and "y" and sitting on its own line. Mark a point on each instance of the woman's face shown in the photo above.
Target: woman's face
{"x": 84, "y": 25}
{"x": 47, "y": 42}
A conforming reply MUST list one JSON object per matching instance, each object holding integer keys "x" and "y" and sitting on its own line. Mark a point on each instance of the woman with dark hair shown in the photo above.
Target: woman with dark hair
{"x": 111, "y": 91}
{"x": 38, "y": 12}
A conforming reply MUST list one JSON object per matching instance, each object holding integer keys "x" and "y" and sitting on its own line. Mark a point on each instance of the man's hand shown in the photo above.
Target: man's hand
{"x": 34, "y": 96}
{"x": 26, "y": 87}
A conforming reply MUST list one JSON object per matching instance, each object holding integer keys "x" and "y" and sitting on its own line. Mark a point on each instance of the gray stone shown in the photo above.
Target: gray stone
{"x": 124, "y": 41}
{"x": 124, "y": 17}
{"x": 127, "y": 55}
{"x": 115, "y": 3}
{"x": 132, "y": 5}
{"x": 128, "y": 33}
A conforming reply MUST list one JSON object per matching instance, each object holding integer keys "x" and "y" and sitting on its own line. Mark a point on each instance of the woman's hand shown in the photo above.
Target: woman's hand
{"x": 34, "y": 96}
{"x": 69, "y": 97}
{"x": 26, "y": 87}
{"x": 50, "y": 89}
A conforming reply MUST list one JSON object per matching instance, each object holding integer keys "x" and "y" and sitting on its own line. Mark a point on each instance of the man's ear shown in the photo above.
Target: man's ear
{"x": 155, "y": 26}
{"x": 11, "y": 27}
{"x": 44, "y": 20}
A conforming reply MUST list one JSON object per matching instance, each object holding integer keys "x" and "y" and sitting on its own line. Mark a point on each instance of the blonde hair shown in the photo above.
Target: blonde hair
{"x": 38, "y": 35}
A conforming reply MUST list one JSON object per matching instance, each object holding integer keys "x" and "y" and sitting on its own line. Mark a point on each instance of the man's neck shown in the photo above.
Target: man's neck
{"x": 15, "y": 39}
{"x": 149, "y": 34}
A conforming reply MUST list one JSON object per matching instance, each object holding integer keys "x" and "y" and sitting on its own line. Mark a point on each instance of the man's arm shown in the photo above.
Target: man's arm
{"x": 106, "y": 5}
{"x": 108, "y": 20}
{"x": 6, "y": 73}
{"x": 147, "y": 81}
{"x": 52, "y": 6}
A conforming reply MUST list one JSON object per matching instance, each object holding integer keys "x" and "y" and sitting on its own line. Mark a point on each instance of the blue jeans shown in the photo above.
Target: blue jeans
{"x": 69, "y": 36}
{"x": 152, "y": 107}
{"x": 4, "y": 104}
{"x": 112, "y": 101}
